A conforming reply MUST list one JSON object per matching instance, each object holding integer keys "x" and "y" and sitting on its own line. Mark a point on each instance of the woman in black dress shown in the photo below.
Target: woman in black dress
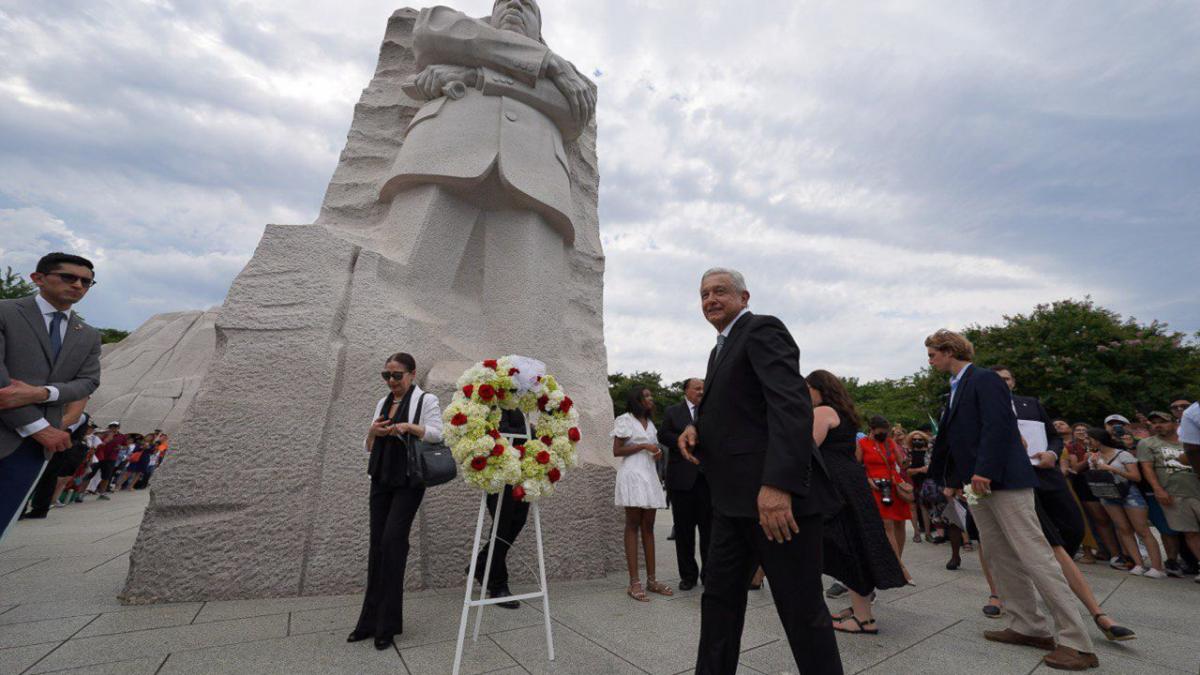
{"x": 857, "y": 552}
{"x": 406, "y": 411}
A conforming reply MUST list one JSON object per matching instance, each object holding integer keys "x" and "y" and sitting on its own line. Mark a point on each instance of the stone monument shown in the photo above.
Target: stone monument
{"x": 461, "y": 223}
{"x": 151, "y": 377}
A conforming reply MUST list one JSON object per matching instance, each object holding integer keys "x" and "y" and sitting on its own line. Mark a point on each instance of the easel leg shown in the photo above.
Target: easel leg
{"x": 466, "y": 610}
{"x": 537, "y": 528}
{"x": 487, "y": 567}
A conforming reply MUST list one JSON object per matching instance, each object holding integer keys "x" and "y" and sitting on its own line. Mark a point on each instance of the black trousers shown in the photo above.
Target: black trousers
{"x": 512, "y": 520}
{"x": 691, "y": 509}
{"x": 794, "y": 570}
{"x": 392, "y": 514}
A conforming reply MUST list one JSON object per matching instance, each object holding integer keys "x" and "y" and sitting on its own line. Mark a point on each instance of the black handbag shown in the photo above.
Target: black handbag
{"x": 429, "y": 464}
{"x": 1105, "y": 485}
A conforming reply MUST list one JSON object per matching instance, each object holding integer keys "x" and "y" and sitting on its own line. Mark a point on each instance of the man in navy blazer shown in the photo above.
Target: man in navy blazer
{"x": 979, "y": 446}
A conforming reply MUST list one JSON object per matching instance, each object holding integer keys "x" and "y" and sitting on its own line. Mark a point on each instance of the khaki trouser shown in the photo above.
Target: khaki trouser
{"x": 1021, "y": 560}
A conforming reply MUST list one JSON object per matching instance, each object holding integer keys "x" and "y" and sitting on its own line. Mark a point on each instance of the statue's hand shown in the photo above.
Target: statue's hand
{"x": 574, "y": 88}
{"x": 432, "y": 81}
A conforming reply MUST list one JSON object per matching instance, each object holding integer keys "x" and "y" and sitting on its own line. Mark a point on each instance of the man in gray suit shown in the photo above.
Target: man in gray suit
{"x": 48, "y": 358}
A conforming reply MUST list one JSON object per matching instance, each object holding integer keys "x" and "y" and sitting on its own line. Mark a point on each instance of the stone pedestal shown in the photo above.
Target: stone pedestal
{"x": 265, "y": 493}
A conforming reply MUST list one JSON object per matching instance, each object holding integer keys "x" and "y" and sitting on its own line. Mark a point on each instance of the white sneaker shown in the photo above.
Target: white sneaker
{"x": 1115, "y": 562}
{"x": 1138, "y": 571}
{"x": 1155, "y": 574}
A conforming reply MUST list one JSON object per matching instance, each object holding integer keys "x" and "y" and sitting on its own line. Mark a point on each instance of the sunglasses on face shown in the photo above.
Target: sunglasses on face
{"x": 86, "y": 282}
{"x": 389, "y": 375}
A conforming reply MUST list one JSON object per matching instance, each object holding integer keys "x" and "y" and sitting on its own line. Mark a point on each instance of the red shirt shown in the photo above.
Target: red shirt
{"x": 110, "y": 449}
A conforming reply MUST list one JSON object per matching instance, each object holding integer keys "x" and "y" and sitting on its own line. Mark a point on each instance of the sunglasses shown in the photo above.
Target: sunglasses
{"x": 86, "y": 282}
{"x": 389, "y": 375}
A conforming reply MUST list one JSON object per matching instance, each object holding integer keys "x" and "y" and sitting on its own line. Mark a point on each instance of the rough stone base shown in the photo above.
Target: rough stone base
{"x": 266, "y": 492}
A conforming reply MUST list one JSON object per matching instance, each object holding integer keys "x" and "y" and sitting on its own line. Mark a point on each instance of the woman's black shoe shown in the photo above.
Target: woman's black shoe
{"x": 358, "y": 636}
{"x": 382, "y": 643}
{"x": 953, "y": 564}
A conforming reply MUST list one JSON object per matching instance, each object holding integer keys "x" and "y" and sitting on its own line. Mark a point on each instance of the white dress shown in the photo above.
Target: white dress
{"x": 637, "y": 479}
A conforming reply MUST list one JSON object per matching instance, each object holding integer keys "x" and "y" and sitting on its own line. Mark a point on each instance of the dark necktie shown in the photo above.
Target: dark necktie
{"x": 720, "y": 343}
{"x": 56, "y": 321}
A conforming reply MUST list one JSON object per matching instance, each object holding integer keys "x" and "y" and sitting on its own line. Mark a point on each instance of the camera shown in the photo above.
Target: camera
{"x": 919, "y": 443}
{"x": 885, "y": 490}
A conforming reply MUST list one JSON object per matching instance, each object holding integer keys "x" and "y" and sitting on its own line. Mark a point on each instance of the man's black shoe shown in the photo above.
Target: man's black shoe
{"x": 686, "y": 585}
{"x": 382, "y": 643}
{"x": 503, "y": 592}
{"x": 34, "y": 514}
{"x": 358, "y": 636}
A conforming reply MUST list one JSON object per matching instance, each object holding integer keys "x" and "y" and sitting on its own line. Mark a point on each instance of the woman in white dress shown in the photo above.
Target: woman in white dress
{"x": 638, "y": 488}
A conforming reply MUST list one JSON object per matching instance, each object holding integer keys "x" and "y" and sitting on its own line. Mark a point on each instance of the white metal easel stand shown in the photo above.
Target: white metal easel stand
{"x": 483, "y": 600}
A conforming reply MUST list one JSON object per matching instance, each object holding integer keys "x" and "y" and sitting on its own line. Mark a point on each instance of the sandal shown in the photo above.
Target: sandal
{"x": 917, "y": 538}
{"x": 658, "y": 587}
{"x": 929, "y": 538}
{"x": 993, "y": 611}
{"x": 1115, "y": 632}
{"x": 843, "y": 615}
{"x": 635, "y": 591}
{"x": 861, "y": 627}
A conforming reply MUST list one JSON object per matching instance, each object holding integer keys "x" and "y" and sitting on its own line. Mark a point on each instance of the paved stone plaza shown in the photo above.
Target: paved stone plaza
{"x": 58, "y": 613}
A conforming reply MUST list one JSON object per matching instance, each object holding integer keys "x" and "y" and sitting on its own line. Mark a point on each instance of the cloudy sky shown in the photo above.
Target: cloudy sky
{"x": 878, "y": 169}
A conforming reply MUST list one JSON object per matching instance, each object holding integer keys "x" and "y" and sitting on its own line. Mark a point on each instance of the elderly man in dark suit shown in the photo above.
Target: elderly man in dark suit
{"x": 979, "y": 446}
{"x": 48, "y": 358}
{"x": 753, "y": 438}
{"x": 691, "y": 505}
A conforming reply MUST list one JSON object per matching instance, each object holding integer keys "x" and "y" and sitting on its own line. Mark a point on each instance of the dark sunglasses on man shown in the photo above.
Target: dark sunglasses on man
{"x": 69, "y": 279}
{"x": 389, "y": 375}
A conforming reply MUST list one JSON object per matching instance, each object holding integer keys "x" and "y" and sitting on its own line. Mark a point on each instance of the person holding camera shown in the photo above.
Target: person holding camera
{"x": 1113, "y": 475}
{"x": 880, "y": 455}
{"x": 406, "y": 413}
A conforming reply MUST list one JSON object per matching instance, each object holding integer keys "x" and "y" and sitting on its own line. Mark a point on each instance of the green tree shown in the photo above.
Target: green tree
{"x": 619, "y": 385}
{"x": 1085, "y": 362}
{"x": 12, "y": 285}
{"x": 910, "y": 401}
{"x": 112, "y": 335}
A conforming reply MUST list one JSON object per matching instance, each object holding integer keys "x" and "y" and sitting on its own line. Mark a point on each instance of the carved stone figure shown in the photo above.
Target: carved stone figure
{"x": 461, "y": 223}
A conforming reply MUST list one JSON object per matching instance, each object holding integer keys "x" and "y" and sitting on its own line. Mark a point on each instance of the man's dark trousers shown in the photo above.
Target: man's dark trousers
{"x": 692, "y": 510}
{"x": 512, "y": 520}
{"x": 18, "y": 474}
{"x": 738, "y": 547}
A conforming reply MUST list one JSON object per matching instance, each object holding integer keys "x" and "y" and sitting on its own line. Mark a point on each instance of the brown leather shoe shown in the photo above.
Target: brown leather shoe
{"x": 1066, "y": 658}
{"x": 1012, "y": 637}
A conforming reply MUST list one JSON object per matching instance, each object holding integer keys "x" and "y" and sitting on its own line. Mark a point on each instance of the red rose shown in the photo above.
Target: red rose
{"x": 547, "y": 440}
{"x": 566, "y": 404}
{"x": 459, "y": 419}
{"x": 519, "y": 493}
{"x": 494, "y": 434}
{"x": 513, "y": 371}
{"x": 486, "y": 392}
{"x": 543, "y": 457}
{"x": 520, "y": 449}
{"x": 500, "y": 393}
{"x": 573, "y": 434}
{"x": 554, "y": 475}
{"x": 497, "y": 450}
{"x": 490, "y": 363}
{"x": 479, "y": 463}
{"x": 539, "y": 378}
{"x": 542, "y": 401}
{"x": 468, "y": 390}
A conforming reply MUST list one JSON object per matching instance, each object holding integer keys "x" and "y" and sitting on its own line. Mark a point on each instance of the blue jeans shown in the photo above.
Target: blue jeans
{"x": 19, "y": 472}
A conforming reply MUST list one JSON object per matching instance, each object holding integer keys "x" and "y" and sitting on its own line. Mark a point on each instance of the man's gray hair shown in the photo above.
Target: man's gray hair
{"x": 739, "y": 281}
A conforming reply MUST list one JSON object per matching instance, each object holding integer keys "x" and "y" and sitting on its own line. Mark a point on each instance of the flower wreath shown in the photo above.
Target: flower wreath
{"x": 490, "y": 461}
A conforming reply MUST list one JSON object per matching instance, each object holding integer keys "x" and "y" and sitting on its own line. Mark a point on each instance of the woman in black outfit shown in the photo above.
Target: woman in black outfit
{"x": 856, "y": 550}
{"x": 405, "y": 413}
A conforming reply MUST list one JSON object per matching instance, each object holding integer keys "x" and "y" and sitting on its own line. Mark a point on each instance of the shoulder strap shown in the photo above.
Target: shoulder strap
{"x": 420, "y": 408}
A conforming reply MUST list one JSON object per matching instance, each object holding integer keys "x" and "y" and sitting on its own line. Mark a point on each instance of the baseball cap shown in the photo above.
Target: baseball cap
{"x": 1116, "y": 418}
{"x": 1166, "y": 417}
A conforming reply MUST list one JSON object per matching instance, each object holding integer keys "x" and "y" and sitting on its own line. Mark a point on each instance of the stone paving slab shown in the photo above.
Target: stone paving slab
{"x": 59, "y": 579}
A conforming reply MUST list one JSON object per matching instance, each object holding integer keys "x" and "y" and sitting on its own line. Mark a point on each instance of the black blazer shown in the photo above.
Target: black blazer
{"x": 1031, "y": 409}
{"x": 978, "y": 435}
{"x": 755, "y": 420}
{"x": 681, "y": 474}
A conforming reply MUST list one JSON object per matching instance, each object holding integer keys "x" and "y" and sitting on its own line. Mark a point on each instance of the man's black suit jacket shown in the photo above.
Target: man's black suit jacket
{"x": 755, "y": 420}
{"x": 978, "y": 434}
{"x": 681, "y": 474}
{"x": 1030, "y": 409}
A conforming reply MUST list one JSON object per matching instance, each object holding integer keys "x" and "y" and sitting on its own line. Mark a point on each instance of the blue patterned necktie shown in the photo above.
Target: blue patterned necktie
{"x": 56, "y": 324}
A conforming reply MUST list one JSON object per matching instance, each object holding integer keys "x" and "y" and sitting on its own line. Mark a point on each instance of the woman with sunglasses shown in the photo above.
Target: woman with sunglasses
{"x": 406, "y": 413}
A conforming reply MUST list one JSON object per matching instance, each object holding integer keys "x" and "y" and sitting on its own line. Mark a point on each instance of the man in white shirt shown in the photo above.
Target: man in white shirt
{"x": 48, "y": 357}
